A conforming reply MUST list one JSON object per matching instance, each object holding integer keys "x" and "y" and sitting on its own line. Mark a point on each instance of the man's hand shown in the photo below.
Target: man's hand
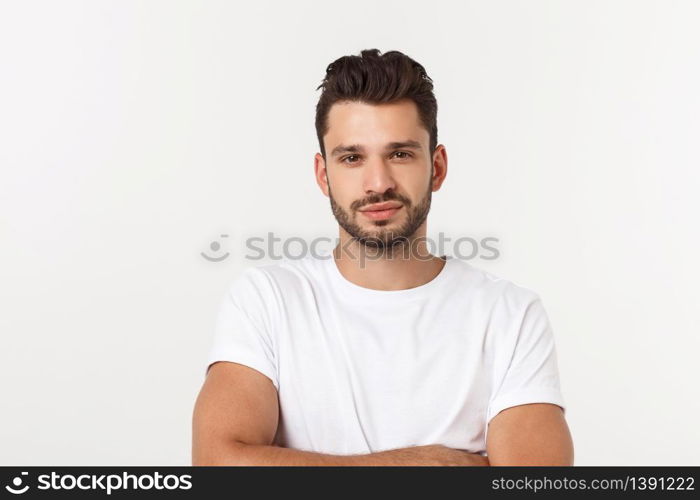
{"x": 427, "y": 455}
{"x": 430, "y": 455}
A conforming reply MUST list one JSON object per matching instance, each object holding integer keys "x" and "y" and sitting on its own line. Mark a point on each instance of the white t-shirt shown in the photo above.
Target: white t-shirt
{"x": 359, "y": 370}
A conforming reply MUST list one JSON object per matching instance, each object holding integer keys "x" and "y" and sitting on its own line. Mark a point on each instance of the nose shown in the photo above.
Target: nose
{"x": 378, "y": 177}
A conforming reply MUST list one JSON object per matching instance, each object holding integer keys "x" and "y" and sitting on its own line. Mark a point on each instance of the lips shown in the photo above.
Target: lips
{"x": 381, "y": 211}
{"x": 381, "y": 206}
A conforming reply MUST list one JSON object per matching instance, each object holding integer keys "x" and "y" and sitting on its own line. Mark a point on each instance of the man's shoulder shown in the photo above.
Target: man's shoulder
{"x": 494, "y": 287}
{"x": 276, "y": 274}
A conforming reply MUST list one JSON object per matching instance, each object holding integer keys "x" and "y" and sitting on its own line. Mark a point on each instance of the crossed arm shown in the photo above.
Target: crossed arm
{"x": 236, "y": 416}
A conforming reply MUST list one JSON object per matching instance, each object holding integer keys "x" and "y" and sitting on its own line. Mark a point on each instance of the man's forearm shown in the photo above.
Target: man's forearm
{"x": 429, "y": 455}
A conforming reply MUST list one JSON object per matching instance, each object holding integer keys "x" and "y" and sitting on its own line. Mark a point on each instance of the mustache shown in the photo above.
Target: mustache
{"x": 380, "y": 199}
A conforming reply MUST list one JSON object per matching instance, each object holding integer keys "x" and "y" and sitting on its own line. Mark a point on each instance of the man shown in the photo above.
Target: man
{"x": 380, "y": 353}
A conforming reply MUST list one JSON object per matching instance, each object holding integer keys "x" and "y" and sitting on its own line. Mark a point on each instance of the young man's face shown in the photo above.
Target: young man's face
{"x": 377, "y": 153}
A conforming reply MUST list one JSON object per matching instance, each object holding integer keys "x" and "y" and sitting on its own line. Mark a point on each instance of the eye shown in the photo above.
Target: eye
{"x": 406, "y": 156}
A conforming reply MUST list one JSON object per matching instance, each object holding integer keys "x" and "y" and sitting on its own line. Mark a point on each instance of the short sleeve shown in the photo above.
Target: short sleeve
{"x": 242, "y": 332}
{"x": 532, "y": 375}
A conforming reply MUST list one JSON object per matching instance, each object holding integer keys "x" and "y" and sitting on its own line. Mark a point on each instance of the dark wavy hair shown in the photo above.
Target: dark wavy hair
{"x": 377, "y": 78}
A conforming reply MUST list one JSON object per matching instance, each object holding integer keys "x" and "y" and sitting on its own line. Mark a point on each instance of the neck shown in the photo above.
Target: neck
{"x": 407, "y": 265}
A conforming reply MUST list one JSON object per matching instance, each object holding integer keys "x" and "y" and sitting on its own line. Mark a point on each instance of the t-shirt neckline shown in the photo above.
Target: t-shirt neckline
{"x": 360, "y": 292}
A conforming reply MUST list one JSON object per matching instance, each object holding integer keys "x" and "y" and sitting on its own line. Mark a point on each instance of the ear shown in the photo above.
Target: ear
{"x": 439, "y": 166}
{"x": 321, "y": 173}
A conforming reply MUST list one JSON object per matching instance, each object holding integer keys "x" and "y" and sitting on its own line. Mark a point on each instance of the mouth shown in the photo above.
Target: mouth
{"x": 381, "y": 211}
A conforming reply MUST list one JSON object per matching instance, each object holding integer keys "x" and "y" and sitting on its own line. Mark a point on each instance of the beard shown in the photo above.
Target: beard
{"x": 379, "y": 238}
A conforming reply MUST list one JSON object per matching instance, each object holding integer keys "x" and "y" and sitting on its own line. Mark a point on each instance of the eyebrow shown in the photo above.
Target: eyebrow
{"x": 356, "y": 148}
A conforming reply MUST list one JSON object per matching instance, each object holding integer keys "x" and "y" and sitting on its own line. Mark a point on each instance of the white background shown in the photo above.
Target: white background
{"x": 133, "y": 134}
